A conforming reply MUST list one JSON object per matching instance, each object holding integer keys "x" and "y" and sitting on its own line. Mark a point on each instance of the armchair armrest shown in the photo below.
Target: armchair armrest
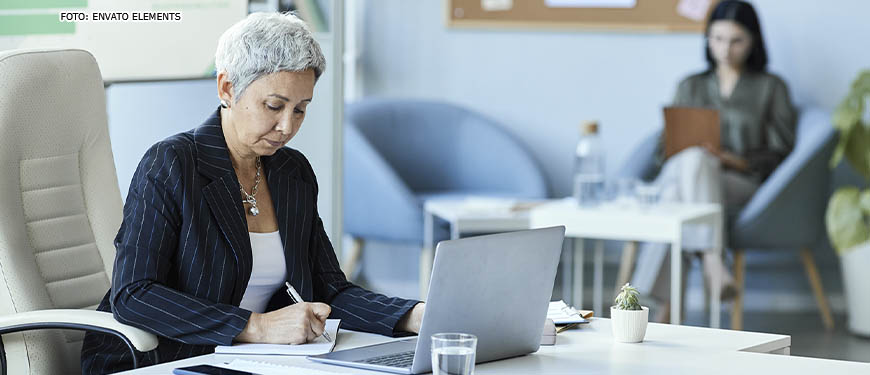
{"x": 377, "y": 203}
{"x": 86, "y": 320}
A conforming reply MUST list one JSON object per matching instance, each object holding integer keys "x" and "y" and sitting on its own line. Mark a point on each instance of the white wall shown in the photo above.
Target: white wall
{"x": 541, "y": 84}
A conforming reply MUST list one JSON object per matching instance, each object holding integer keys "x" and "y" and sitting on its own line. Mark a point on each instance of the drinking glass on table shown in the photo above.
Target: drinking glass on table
{"x": 620, "y": 192}
{"x": 648, "y": 194}
{"x": 453, "y": 353}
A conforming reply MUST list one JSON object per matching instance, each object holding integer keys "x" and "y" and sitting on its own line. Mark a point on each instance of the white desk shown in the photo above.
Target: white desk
{"x": 660, "y": 223}
{"x": 667, "y": 349}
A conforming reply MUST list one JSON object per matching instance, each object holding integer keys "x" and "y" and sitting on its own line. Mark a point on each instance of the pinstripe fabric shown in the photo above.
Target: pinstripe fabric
{"x": 184, "y": 255}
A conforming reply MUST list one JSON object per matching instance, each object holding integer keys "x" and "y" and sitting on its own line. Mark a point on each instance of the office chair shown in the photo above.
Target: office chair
{"x": 400, "y": 153}
{"x": 786, "y": 212}
{"x": 61, "y": 209}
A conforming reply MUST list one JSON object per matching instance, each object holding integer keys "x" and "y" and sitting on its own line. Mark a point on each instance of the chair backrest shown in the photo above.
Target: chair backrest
{"x": 788, "y": 210}
{"x": 59, "y": 198}
{"x": 434, "y": 146}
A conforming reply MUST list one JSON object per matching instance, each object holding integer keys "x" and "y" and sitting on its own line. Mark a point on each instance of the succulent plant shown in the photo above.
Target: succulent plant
{"x": 627, "y": 299}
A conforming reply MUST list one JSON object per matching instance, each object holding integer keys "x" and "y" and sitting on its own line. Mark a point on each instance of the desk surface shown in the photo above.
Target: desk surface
{"x": 591, "y": 349}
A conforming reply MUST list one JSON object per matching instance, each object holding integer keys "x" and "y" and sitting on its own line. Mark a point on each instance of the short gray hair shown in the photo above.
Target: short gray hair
{"x": 266, "y": 43}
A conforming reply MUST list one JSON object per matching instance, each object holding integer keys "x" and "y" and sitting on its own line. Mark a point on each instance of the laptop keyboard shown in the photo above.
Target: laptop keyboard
{"x": 401, "y": 359}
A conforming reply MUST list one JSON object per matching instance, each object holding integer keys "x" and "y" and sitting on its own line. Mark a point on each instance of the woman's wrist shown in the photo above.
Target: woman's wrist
{"x": 412, "y": 319}
{"x": 251, "y": 332}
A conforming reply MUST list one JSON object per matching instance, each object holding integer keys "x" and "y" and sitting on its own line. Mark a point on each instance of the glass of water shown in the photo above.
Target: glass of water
{"x": 453, "y": 353}
{"x": 648, "y": 194}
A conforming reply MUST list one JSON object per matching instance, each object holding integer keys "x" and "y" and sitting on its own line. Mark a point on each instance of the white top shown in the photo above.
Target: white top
{"x": 268, "y": 273}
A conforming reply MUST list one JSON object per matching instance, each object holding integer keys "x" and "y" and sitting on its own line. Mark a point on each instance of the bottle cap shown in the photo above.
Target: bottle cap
{"x": 589, "y": 127}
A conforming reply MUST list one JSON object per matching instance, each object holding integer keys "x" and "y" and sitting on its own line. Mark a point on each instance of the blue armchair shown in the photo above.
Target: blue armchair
{"x": 399, "y": 153}
{"x": 786, "y": 212}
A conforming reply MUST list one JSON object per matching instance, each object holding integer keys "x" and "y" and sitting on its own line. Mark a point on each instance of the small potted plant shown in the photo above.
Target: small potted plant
{"x": 848, "y": 214}
{"x": 628, "y": 317}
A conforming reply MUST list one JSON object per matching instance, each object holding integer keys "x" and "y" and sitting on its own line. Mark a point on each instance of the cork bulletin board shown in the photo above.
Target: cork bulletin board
{"x": 688, "y": 16}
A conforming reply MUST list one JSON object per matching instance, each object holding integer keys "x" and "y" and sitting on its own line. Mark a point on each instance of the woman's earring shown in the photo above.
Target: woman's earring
{"x": 224, "y": 104}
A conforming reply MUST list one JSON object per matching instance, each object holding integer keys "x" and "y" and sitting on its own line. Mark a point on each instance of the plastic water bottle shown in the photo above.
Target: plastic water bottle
{"x": 589, "y": 166}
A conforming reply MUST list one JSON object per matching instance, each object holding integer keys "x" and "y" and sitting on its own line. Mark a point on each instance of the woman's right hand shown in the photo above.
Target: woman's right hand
{"x": 295, "y": 324}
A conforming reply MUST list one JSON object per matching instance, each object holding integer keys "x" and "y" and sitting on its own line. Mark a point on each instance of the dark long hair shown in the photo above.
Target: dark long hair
{"x": 744, "y": 15}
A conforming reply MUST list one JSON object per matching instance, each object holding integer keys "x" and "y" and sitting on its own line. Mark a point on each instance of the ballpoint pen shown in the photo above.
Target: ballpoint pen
{"x": 294, "y": 295}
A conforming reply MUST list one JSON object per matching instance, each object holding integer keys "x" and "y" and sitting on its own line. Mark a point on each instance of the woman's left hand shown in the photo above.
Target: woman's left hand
{"x": 412, "y": 320}
{"x": 728, "y": 159}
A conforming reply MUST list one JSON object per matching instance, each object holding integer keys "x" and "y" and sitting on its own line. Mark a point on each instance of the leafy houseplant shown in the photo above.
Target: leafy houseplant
{"x": 848, "y": 214}
{"x": 628, "y": 318}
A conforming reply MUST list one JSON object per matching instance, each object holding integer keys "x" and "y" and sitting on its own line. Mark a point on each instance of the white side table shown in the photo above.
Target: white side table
{"x": 660, "y": 223}
{"x": 473, "y": 215}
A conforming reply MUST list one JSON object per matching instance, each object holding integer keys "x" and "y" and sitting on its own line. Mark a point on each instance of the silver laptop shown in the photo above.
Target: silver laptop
{"x": 496, "y": 287}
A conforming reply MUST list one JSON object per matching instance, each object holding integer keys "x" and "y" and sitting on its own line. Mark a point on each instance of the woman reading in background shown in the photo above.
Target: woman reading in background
{"x": 757, "y": 122}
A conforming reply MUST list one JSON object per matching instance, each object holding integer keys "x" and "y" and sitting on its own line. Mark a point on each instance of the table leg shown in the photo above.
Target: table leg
{"x": 578, "y": 273}
{"x": 676, "y": 278}
{"x": 454, "y": 230}
{"x": 568, "y": 271}
{"x": 598, "y": 281}
{"x": 715, "y": 291}
{"x": 427, "y": 256}
{"x": 626, "y": 264}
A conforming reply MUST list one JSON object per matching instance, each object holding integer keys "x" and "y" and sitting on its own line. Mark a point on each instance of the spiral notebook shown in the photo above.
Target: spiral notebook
{"x": 316, "y": 347}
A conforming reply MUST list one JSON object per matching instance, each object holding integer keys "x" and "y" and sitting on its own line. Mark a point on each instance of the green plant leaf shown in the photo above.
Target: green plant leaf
{"x": 848, "y": 113}
{"x": 848, "y": 118}
{"x": 840, "y": 149}
{"x": 628, "y": 299}
{"x": 864, "y": 202}
{"x": 858, "y": 150}
{"x": 845, "y": 220}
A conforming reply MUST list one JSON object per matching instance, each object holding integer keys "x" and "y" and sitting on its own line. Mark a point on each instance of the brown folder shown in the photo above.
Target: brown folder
{"x": 690, "y": 126}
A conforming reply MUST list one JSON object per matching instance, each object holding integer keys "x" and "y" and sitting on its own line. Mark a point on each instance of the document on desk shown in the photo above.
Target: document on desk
{"x": 561, "y": 313}
{"x": 266, "y": 368}
{"x": 316, "y": 347}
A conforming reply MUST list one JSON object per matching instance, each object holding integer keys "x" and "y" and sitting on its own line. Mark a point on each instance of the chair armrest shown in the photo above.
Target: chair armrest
{"x": 377, "y": 203}
{"x": 83, "y": 320}
{"x": 77, "y": 319}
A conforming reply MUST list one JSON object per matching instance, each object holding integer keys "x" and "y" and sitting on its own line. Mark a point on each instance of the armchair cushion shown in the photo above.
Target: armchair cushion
{"x": 792, "y": 200}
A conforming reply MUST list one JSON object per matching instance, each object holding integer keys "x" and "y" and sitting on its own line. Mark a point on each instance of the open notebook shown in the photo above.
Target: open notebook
{"x": 318, "y": 346}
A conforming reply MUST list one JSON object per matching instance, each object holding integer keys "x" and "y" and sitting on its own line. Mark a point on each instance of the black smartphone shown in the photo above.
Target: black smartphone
{"x": 207, "y": 370}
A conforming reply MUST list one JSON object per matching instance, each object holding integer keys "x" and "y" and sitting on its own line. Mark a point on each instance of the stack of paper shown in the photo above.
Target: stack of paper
{"x": 561, "y": 313}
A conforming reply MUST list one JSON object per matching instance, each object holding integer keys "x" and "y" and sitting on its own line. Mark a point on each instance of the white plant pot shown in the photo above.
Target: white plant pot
{"x": 629, "y": 325}
{"x": 856, "y": 284}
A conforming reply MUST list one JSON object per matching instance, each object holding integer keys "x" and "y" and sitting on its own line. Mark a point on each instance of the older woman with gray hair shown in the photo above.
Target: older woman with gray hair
{"x": 220, "y": 218}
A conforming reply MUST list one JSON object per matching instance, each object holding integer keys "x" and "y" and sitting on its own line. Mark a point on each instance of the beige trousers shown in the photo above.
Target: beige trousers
{"x": 693, "y": 175}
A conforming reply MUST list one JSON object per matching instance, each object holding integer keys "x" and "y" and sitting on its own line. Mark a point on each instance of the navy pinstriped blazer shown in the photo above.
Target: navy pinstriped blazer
{"x": 184, "y": 254}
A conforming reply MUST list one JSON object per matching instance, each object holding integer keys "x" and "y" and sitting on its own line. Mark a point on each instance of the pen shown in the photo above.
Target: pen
{"x": 294, "y": 295}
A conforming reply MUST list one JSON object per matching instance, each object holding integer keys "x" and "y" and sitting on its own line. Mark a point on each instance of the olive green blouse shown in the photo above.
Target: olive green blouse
{"x": 757, "y": 121}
